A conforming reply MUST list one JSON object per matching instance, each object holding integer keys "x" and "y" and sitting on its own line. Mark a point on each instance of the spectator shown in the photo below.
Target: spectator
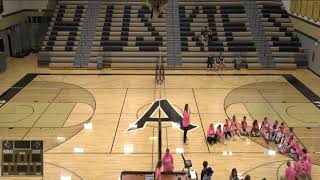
{"x": 206, "y": 172}
{"x": 234, "y": 175}
{"x": 210, "y": 62}
{"x": 211, "y": 136}
{"x": 167, "y": 161}
{"x": 157, "y": 171}
{"x": 186, "y": 123}
{"x": 221, "y": 62}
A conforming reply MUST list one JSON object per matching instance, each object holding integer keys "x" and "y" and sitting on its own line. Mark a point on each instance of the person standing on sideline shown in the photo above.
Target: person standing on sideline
{"x": 206, "y": 172}
{"x": 167, "y": 161}
{"x": 210, "y": 63}
{"x": 157, "y": 171}
{"x": 289, "y": 173}
{"x": 185, "y": 122}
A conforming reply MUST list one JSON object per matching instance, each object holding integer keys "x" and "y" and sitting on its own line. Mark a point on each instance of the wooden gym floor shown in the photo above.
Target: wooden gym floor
{"x": 53, "y": 106}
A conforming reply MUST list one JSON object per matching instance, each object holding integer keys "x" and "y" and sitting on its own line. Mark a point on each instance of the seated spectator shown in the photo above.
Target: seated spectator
{"x": 219, "y": 133}
{"x": 273, "y": 130}
{"x": 244, "y": 131}
{"x": 220, "y": 62}
{"x": 167, "y": 161}
{"x": 234, "y": 175}
{"x": 227, "y": 130}
{"x": 211, "y": 136}
{"x": 206, "y": 172}
{"x": 255, "y": 132}
{"x": 264, "y": 130}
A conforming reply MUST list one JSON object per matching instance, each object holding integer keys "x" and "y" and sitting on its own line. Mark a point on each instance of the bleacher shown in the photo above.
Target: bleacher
{"x": 127, "y": 37}
{"x": 62, "y": 37}
{"x": 229, "y": 25}
{"x": 285, "y": 45}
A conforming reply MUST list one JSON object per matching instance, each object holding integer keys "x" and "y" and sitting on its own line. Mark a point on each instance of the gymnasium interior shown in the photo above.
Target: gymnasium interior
{"x": 138, "y": 89}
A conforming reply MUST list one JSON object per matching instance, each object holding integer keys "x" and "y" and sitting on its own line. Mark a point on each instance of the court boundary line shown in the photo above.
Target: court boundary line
{"x": 204, "y": 134}
{"x": 42, "y": 114}
{"x": 115, "y": 134}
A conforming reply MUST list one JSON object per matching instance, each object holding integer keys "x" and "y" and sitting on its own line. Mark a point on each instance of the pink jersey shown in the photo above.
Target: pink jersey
{"x": 265, "y": 126}
{"x": 294, "y": 144}
{"x": 308, "y": 157}
{"x": 298, "y": 168}
{"x": 307, "y": 167}
{"x": 219, "y": 132}
{"x": 210, "y": 131}
{"x": 244, "y": 125}
{"x": 167, "y": 161}
{"x": 226, "y": 127}
{"x": 157, "y": 173}
{"x": 255, "y": 126}
{"x": 274, "y": 127}
{"x": 289, "y": 174}
{"x": 234, "y": 126}
{"x": 186, "y": 119}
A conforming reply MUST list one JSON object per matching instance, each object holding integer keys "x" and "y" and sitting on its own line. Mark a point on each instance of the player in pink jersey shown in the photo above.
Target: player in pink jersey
{"x": 219, "y": 133}
{"x": 289, "y": 173}
{"x": 244, "y": 131}
{"x": 298, "y": 168}
{"x": 157, "y": 171}
{"x": 234, "y": 126}
{"x": 211, "y": 136}
{"x": 273, "y": 130}
{"x": 167, "y": 161}
{"x": 185, "y": 122}
{"x": 227, "y": 130}
{"x": 255, "y": 129}
{"x": 307, "y": 166}
{"x": 264, "y": 130}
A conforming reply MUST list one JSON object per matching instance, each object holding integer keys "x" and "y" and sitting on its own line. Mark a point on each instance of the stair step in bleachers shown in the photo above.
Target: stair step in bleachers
{"x": 285, "y": 45}
{"x": 62, "y": 39}
{"x": 230, "y": 29}
{"x": 127, "y": 36}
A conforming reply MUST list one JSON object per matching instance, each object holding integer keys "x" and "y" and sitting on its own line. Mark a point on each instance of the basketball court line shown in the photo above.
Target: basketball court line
{"x": 115, "y": 134}
{"x": 204, "y": 133}
{"x": 279, "y": 115}
{"x": 42, "y": 114}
